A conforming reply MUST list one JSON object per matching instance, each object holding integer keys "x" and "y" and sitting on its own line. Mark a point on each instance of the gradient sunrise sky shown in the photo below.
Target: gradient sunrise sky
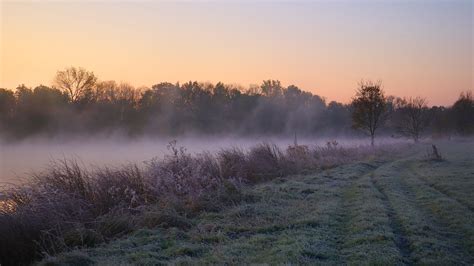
{"x": 415, "y": 47}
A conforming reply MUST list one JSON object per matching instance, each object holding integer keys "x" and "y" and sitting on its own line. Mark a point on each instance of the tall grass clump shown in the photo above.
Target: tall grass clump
{"x": 42, "y": 213}
{"x": 233, "y": 163}
{"x": 44, "y": 207}
{"x": 264, "y": 162}
{"x": 68, "y": 206}
{"x": 188, "y": 181}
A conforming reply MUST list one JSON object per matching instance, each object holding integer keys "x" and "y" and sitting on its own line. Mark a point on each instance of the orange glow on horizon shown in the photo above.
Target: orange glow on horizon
{"x": 322, "y": 47}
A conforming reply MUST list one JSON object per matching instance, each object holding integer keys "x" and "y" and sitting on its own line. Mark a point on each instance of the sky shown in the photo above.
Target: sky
{"x": 416, "y": 48}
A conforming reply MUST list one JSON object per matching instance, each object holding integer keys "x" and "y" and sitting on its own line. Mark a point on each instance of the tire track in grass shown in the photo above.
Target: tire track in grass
{"x": 455, "y": 218}
{"x": 369, "y": 237}
{"x": 345, "y": 175}
{"x": 317, "y": 239}
{"x": 401, "y": 241}
{"x": 433, "y": 239}
{"x": 437, "y": 188}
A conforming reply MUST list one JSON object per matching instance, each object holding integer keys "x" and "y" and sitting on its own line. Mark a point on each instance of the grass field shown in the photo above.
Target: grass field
{"x": 409, "y": 210}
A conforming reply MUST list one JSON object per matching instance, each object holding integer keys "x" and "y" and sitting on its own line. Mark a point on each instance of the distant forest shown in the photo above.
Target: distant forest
{"x": 79, "y": 104}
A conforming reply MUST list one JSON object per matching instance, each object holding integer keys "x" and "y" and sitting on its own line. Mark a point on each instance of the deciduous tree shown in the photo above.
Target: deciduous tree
{"x": 412, "y": 117}
{"x": 368, "y": 108}
{"x": 76, "y": 82}
{"x": 463, "y": 112}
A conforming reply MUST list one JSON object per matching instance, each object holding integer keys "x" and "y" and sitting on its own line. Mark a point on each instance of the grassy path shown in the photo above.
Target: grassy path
{"x": 367, "y": 227}
{"x": 396, "y": 224}
{"x": 407, "y": 211}
{"x": 429, "y": 238}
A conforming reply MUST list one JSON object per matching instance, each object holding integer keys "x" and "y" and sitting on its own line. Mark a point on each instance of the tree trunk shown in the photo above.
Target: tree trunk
{"x": 372, "y": 140}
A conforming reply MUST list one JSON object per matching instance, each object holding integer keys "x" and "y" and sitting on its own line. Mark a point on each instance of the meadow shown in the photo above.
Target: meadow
{"x": 393, "y": 204}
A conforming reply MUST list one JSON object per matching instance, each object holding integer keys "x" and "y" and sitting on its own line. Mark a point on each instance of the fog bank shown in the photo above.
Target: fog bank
{"x": 19, "y": 159}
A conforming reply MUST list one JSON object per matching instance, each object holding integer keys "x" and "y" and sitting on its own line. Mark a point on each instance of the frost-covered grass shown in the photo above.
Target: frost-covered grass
{"x": 386, "y": 211}
{"x": 68, "y": 207}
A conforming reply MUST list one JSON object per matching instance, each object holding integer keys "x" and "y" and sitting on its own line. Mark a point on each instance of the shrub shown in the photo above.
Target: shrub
{"x": 299, "y": 159}
{"x": 126, "y": 187}
{"x": 264, "y": 162}
{"x": 181, "y": 179}
{"x": 233, "y": 163}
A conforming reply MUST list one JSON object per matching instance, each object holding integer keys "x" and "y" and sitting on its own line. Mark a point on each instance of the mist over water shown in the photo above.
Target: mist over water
{"x": 18, "y": 160}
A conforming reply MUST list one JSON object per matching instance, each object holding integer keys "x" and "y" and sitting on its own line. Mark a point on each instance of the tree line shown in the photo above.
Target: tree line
{"x": 79, "y": 103}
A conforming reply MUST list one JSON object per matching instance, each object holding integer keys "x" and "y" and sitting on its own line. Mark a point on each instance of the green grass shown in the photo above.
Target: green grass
{"x": 396, "y": 211}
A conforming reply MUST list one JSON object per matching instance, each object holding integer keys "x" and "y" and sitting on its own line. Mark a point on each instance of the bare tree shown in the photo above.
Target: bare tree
{"x": 76, "y": 82}
{"x": 412, "y": 119}
{"x": 368, "y": 108}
